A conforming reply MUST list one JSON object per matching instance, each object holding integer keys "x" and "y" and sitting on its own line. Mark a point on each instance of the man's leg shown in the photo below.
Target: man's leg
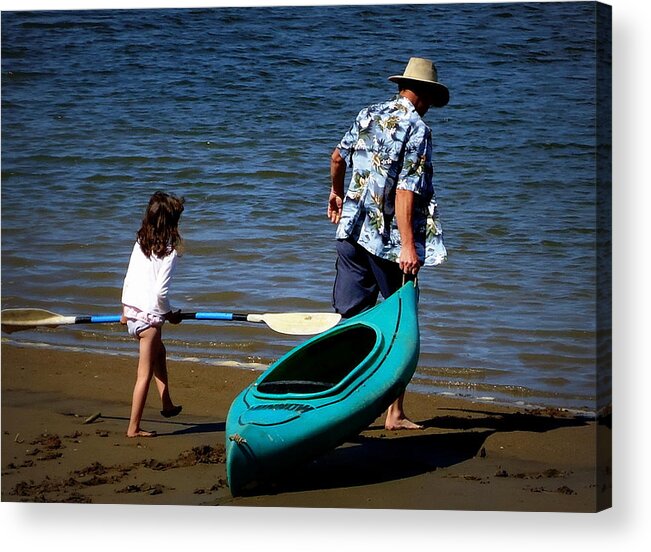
{"x": 390, "y": 279}
{"x": 388, "y": 275}
{"x": 355, "y": 289}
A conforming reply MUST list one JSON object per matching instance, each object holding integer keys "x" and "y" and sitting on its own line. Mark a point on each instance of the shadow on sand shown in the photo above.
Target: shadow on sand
{"x": 180, "y": 428}
{"x": 367, "y": 460}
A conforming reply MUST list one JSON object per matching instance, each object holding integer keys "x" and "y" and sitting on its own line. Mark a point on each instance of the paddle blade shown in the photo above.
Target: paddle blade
{"x": 298, "y": 323}
{"x": 14, "y": 320}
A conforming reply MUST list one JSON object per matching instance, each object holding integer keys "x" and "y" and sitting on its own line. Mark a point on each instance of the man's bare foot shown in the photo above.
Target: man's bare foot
{"x": 142, "y": 433}
{"x": 402, "y": 423}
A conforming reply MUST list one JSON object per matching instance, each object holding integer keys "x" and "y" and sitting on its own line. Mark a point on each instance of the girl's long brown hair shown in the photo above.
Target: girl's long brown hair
{"x": 159, "y": 233}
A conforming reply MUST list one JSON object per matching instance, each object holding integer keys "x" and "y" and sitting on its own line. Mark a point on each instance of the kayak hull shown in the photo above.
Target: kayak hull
{"x": 322, "y": 392}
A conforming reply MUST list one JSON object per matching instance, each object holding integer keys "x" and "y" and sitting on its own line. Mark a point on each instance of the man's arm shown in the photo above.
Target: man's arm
{"x": 408, "y": 260}
{"x": 337, "y": 176}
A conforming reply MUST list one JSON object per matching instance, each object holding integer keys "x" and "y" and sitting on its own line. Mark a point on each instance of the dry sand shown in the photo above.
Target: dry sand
{"x": 470, "y": 456}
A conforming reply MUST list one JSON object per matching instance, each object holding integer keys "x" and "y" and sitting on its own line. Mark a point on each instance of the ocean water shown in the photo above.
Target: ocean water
{"x": 238, "y": 110}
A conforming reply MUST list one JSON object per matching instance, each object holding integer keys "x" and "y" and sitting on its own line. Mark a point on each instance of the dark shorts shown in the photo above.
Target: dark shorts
{"x": 360, "y": 278}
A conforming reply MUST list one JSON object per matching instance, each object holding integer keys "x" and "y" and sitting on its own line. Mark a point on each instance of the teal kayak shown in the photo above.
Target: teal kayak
{"x": 322, "y": 392}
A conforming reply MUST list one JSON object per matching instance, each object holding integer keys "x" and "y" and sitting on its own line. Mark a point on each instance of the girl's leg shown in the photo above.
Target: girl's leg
{"x": 160, "y": 376}
{"x": 150, "y": 342}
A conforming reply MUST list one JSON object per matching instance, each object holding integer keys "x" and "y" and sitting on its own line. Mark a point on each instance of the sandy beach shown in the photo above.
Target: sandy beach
{"x": 64, "y": 416}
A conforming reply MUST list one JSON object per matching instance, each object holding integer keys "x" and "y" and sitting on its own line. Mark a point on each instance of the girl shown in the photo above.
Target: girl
{"x": 145, "y": 302}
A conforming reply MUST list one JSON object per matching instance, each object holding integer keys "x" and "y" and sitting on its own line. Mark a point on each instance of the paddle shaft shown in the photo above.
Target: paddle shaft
{"x": 294, "y": 323}
{"x": 109, "y": 319}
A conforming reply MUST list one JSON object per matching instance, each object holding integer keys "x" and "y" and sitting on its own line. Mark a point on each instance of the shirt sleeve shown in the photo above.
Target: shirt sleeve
{"x": 351, "y": 138}
{"x": 163, "y": 281}
{"x": 416, "y": 173}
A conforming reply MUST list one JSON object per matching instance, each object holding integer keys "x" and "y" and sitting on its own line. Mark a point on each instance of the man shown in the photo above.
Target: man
{"x": 387, "y": 222}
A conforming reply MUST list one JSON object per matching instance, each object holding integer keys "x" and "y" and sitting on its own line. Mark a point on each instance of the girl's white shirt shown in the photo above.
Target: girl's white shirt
{"x": 147, "y": 283}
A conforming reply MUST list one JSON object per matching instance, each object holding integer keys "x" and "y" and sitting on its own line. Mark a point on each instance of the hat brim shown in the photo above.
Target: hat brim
{"x": 441, "y": 92}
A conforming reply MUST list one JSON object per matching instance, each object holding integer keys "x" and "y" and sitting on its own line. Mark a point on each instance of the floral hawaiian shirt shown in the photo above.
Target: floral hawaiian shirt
{"x": 389, "y": 147}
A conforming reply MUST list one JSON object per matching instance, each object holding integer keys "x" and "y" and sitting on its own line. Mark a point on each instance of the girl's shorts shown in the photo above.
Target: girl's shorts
{"x": 139, "y": 321}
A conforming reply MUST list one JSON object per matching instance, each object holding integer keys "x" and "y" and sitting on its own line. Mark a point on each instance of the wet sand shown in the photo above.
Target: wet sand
{"x": 64, "y": 417}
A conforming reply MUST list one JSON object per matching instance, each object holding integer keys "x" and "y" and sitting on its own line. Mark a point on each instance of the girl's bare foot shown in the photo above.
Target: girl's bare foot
{"x": 142, "y": 433}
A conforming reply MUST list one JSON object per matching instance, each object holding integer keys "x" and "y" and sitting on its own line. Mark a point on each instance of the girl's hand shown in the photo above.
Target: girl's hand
{"x": 174, "y": 317}
{"x": 123, "y": 320}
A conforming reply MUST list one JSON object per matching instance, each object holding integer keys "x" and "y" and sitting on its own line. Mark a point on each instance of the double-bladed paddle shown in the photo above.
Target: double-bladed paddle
{"x": 296, "y": 323}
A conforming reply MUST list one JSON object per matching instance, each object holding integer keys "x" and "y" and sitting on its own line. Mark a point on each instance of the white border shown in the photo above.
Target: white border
{"x": 82, "y": 527}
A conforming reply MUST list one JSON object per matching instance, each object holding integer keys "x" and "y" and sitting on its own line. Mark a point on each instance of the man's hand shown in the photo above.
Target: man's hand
{"x": 408, "y": 261}
{"x": 337, "y": 177}
{"x": 335, "y": 204}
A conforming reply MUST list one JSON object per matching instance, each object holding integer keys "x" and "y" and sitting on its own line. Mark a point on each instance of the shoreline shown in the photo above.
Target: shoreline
{"x": 498, "y": 400}
{"x": 470, "y": 456}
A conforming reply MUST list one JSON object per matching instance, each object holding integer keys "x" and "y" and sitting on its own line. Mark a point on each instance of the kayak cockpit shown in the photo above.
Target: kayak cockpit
{"x": 324, "y": 364}
{"x": 293, "y": 386}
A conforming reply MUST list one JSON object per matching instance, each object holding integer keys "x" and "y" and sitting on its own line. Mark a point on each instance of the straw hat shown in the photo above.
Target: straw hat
{"x": 423, "y": 71}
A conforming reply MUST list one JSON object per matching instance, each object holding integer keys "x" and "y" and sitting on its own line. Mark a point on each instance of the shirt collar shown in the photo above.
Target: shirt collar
{"x": 405, "y": 102}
